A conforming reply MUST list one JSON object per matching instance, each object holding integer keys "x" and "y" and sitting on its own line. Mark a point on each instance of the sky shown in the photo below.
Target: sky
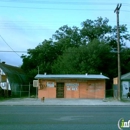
{"x": 24, "y": 24}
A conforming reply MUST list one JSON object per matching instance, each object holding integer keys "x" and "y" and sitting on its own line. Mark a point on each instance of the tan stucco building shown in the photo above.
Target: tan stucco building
{"x": 71, "y": 86}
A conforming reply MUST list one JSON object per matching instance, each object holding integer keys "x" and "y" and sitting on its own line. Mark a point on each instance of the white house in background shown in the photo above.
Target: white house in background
{"x": 125, "y": 85}
{"x": 125, "y": 82}
{"x": 4, "y": 82}
{"x": 12, "y": 80}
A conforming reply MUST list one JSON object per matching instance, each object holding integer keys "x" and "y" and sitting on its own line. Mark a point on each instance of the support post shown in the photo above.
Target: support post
{"x": 29, "y": 91}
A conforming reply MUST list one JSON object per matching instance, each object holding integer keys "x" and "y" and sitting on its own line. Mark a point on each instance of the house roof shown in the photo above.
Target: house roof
{"x": 125, "y": 76}
{"x": 71, "y": 76}
{"x": 13, "y": 73}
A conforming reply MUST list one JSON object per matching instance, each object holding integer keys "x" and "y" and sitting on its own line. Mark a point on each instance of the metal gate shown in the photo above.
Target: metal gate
{"x": 60, "y": 90}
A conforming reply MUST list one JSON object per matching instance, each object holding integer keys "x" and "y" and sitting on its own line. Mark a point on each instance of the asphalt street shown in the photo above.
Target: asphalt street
{"x": 62, "y": 117}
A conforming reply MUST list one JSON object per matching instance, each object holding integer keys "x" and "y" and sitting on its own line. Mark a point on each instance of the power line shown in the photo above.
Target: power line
{"x": 125, "y": 10}
{"x": 41, "y": 21}
{"x": 54, "y": 22}
{"x": 13, "y": 51}
{"x": 9, "y": 45}
{"x": 61, "y": 2}
{"x": 28, "y": 7}
{"x": 85, "y": 9}
{"x": 51, "y": 26}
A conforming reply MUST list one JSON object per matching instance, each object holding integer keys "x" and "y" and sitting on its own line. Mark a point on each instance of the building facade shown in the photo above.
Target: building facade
{"x": 12, "y": 80}
{"x": 71, "y": 86}
{"x": 125, "y": 85}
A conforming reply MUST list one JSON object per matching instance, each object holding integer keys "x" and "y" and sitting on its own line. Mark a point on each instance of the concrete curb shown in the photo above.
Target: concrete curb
{"x": 63, "y": 102}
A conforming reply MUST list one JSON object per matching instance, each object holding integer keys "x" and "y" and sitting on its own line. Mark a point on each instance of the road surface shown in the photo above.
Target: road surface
{"x": 62, "y": 117}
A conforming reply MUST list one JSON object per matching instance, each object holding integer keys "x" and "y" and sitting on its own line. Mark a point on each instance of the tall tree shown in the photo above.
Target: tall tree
{"x": 99, "y": 29}
{"x": 96, "y": 29}
{"x": 66, "y": 37}
{"x": 74, "y": 50}
{"x": 41, "y": 57}
{"x": 91, "y": 58}
{"x": 125, "y": 60}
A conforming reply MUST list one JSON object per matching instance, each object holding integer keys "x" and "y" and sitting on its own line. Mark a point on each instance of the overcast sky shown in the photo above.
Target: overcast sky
{"x": 26, "y": 23}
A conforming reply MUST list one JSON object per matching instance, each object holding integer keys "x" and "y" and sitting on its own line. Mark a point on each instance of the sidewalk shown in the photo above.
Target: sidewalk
{"x": 87, "y": 102}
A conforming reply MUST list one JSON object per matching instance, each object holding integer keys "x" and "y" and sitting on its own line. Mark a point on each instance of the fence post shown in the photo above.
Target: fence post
{"x": 20, "y": 90}
{"x": 7, "y": 89}
{"x": 29, "y": 90}
{"x": 36, "y": 92}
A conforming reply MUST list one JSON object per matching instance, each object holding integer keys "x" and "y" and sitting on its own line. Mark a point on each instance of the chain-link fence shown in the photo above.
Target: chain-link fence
{"x": 29, "y": 91}
{"x": 19, "y": 90}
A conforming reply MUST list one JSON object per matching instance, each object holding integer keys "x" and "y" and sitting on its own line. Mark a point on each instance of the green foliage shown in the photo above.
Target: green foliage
{"x": 39, "y": 58}
{"x": 84, "y": 59}
{"x": 125, "y": 60}
{"x": 68, "y": 63}
{"x": 96, "y": 29}
{"x": 78, "y": 51}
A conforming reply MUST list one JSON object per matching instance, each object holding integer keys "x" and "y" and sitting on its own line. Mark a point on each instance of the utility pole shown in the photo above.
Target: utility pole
{"x": 117, "y": 10}
{"x": 38, "y": 85}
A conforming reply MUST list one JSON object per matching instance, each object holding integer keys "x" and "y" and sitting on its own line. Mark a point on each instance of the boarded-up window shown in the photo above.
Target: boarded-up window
{"x": 72, "y": 86}
{"x": 50, "y": 84}
{"x": 68, "y": 88}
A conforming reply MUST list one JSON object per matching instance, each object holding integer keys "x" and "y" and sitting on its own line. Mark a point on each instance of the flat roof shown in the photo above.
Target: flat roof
{"x": 71, "y": 76}
{"x": 125, "y": 76}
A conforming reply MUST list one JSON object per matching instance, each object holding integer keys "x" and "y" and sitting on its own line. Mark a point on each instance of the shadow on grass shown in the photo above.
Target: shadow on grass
{"x": 125, "y": 100}
{"x": 4, "y": 98}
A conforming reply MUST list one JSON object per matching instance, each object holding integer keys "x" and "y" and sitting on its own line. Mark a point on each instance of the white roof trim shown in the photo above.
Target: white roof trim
{"x": 70, "y": 76}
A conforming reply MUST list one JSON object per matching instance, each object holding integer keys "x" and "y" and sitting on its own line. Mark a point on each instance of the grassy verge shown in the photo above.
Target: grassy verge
{"x": 3, "y": 98}
{"x": 125, "y": 100}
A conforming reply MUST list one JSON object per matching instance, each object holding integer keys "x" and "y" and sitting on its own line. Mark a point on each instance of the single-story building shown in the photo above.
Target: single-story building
{"x": 125, "y": 85}
{"x": 12, "y": 80}
{"x": 71, "y": 86}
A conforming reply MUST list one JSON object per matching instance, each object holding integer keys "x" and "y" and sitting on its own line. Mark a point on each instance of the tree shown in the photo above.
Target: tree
{"x": 41, "y": 57}
{"x": 125, "y": 60}
{"x": 68, "y": 63}
{"x": 66, "y": 37}
{"x": 99, "y": 29}
{"x": 96, "y": 29}
{"x": 111, "y": 39}
{"x": 85, "y": 50}
{"x": 95, "y": 57}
